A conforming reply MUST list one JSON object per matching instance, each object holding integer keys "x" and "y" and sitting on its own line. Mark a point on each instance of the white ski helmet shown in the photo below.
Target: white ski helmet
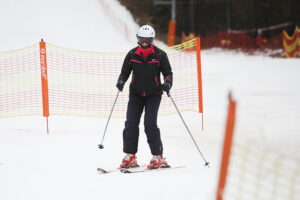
{"x": 146, "y": 31}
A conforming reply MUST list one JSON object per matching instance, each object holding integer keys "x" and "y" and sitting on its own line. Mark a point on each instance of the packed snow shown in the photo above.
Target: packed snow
{"x": 62, "y": 165}
{"x": 78, "y": 24}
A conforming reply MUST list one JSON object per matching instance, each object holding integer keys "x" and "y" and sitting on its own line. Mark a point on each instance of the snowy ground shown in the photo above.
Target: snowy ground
{"x": 62, "y": 165}
{"x": 77, "y": 24}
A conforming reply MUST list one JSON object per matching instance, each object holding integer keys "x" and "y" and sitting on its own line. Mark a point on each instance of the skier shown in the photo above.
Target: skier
{"x": 146, "y": 62}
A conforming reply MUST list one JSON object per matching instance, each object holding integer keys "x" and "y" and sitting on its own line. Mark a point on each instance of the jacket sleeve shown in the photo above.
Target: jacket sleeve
{"x": 166, "y": 69}
{"x": 126, "y": 68}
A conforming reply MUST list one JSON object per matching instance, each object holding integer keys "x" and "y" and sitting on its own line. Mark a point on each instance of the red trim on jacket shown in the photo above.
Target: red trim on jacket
{"x": 133, "y": 60}
{"x": 166, "y": 78}
{"x": 155, "y": 61}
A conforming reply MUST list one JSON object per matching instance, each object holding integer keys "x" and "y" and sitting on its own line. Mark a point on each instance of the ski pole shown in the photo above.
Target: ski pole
{"x": 101, "y": 145}
{"x": 206, "y": 163}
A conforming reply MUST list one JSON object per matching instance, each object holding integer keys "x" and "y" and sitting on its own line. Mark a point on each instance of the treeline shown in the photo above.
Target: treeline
{"x": 207, "y": 17}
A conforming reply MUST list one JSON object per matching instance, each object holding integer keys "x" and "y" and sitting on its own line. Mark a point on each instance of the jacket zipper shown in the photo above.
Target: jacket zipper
{"x": 145, "y": 61}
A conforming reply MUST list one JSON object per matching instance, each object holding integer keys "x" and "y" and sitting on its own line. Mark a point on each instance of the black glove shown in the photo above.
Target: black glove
{"x": 166, "y": 86}
{"x": 120, "y": 85}
{"x": 168, "y": 83}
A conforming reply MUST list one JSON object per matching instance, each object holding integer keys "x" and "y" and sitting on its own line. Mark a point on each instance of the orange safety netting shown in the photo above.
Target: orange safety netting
{"x": 248, "y": 170}
{"x": 82, "y": 83}
{"x": 291, "y": 44}
{"x": 233, "y": 40}
{"x": 20, "y": 82}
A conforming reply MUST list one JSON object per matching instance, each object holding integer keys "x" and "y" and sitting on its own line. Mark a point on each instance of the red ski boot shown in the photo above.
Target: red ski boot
{"x": 129, "y": 161}
{"x": 158, "y": 162}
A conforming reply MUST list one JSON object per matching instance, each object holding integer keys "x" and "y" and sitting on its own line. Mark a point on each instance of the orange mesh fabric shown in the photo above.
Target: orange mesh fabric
{"x": 82, "y": 83}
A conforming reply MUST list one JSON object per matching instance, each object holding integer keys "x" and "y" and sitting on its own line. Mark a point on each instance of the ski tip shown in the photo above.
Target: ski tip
{"x": 103, "y": 171}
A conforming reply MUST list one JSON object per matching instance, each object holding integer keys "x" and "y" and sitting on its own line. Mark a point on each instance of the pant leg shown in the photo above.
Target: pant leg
{"x": 131, "y": 131}
{"x": 150, "y": 122}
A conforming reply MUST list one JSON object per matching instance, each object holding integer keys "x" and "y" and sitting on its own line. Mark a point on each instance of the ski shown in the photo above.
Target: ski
{"x": 133, "y": 170}
{"x": 105, "y": 171}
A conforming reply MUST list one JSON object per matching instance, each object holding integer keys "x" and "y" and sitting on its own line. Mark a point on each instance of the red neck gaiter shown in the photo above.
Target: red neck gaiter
{"x": 145, "y": 52}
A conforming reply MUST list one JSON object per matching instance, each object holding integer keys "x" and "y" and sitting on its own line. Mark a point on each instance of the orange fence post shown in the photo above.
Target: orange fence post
{"x": 226, "y": 147}
{"x": 171, "y": 32}
{"x": 44, "y": 81}
{"x": 199, "y": 70}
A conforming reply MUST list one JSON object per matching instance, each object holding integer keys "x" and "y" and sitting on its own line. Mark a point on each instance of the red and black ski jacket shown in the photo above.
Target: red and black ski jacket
{"x": 146, "y": 66}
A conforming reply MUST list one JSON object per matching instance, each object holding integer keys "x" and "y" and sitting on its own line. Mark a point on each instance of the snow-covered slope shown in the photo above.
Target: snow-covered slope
{"x": 62, "y": 165}
{"x": 79, "y": 24}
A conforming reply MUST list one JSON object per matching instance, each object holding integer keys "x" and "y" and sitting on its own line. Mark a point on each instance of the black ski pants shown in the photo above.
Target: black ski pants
{"x": 136, "y": 105}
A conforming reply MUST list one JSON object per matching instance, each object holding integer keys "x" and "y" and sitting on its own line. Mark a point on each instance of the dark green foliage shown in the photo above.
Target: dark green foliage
{"x": 207, "y": 17}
